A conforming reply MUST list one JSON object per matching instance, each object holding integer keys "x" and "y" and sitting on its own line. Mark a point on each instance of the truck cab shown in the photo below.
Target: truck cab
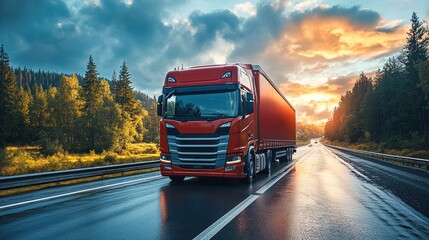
{"x": 209, "y": 125}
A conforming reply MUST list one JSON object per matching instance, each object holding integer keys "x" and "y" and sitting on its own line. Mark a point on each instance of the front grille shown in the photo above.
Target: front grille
{"x": 198, "y": 151}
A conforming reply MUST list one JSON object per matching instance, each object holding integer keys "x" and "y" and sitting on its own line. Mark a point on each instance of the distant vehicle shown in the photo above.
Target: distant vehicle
{"x": 310, "y": 145}
{"x": 223, "y": 121}
{"x": 315, "y": 142}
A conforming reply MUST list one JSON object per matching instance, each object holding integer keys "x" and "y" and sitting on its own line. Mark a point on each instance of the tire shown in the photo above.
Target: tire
{"x": 177, "y": 178}
{"x": 250, "y": 169}
{"x": 269, "y": 158}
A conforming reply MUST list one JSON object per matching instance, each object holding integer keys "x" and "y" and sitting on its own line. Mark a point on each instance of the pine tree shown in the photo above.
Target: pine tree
{"x": 9, "y": 102}
{"x": 114, "y": 86}
{"x": 416, "y": 48}
{"x": 91, "y": 95}
{"x": 125, "y": 95}
{"x": 413, "y": 103}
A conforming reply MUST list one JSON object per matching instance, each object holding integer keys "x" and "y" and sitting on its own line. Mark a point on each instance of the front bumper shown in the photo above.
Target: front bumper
{"x": 236, "y": 171}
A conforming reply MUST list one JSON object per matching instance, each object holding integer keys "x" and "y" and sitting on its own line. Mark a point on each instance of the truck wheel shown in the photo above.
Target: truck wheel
{"x": 177, "y": 178}
{"x": 250, "y": 170}
{"x": 269, "y": 160}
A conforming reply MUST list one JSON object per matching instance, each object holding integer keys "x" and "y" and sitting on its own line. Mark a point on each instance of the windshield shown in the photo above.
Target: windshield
{"x": 207, "y": 106}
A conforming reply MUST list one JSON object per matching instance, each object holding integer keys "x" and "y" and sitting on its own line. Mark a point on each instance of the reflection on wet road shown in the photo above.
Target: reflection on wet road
{"x": 323, "y": 197}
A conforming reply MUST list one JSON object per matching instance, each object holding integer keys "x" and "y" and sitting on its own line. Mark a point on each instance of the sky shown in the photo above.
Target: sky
{"x": 313, "y": 49}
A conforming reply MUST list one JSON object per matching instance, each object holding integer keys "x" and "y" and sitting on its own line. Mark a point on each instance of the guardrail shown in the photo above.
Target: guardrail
{"x": 58, "y": 176}
{"x": 407, "y": 161}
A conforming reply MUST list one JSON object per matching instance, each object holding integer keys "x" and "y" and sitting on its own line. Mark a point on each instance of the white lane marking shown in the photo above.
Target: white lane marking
{"x": 225, "y": 219}
{"x": 213, "y": 229}
{"x": 81, "y": 191}
{"x": 312, "y": 150}
{"x": 345, "y": 163}
{"x": 271, "y": 183}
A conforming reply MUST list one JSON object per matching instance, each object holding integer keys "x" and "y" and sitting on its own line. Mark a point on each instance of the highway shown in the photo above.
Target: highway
{"x": 323, "y": 194}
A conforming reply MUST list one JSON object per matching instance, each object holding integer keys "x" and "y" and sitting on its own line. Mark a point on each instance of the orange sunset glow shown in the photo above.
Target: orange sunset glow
{"x": 312, "y": 49}
{"x": 317, "y": 49}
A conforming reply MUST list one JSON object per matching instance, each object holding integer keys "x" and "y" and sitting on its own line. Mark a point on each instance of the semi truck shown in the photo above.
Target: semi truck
{"x": 227, "y": 120}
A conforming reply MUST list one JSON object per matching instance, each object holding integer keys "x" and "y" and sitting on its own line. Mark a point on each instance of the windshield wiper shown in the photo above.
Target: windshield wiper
{"x": 215, "y": 116}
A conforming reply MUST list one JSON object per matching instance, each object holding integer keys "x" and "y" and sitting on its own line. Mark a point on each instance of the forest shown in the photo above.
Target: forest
{"x": 389, "y": 110}
{"x": 73, "y": 113}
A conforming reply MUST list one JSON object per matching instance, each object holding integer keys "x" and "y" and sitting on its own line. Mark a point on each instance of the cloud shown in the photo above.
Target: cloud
{"x": 315, "y": 103}
{"x": 335, "y": 33}
{"x": 224, "y": 23}
{"x": 244, "y": 9}
{"x": 311, "y": 51}
{"x": 308, "y": 4}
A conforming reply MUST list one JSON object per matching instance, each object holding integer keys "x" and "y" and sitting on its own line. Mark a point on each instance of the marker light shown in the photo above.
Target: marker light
{"x": 171, "y": 79}
{"x": 226, "y": 75}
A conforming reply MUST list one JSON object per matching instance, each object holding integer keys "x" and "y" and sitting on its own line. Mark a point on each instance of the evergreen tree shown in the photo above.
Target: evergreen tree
{"x": 125, "y": 95}
{"x": 415, "y": 52}
{"x": 9, "y": 102}
{"x": 91, "y": 95}
{"x": 416, "y": 48}
{"x": 396, "y": 108}
{"x": 114, "y": 86}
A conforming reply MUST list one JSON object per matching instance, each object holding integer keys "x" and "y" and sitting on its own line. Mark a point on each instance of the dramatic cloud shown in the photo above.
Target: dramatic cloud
{"x": 312, "y": 51}
{"x": 314, "y": 104}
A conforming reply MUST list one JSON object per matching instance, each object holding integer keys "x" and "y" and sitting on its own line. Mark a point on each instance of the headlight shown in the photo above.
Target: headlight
{"x": 169, "y": 125}
{"x": 233, "y": 160}
{"x": 165, "y": 159}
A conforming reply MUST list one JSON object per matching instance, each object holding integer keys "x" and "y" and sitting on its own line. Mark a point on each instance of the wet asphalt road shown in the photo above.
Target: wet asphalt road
{"x": 325, "y": 196}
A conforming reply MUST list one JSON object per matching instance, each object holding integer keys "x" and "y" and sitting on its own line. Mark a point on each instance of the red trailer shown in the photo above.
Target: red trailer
{"x": 223, "y": 121}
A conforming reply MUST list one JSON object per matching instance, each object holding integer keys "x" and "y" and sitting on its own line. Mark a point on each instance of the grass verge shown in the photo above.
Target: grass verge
{"x": 25, "y": 160}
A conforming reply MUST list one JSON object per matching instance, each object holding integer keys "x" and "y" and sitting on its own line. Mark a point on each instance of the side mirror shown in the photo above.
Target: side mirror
{"x": 159, "y": 106}
{"x": 249, "y": 103}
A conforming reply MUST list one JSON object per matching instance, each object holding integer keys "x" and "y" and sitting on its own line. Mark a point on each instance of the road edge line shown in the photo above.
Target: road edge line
{"x": 80, "y": 191}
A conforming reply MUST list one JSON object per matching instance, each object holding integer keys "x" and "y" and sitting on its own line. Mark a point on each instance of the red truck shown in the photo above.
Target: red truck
{"x": 223, "y": 121}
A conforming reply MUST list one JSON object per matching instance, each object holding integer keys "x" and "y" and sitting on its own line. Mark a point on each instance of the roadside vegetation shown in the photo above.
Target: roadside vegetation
{"x": 306, "y": 132}
{"x": 389, "y": 112}
{"x": 381, "y": 148}
{"x": 28, "y": 159}
{"x": 51, "y": 121}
